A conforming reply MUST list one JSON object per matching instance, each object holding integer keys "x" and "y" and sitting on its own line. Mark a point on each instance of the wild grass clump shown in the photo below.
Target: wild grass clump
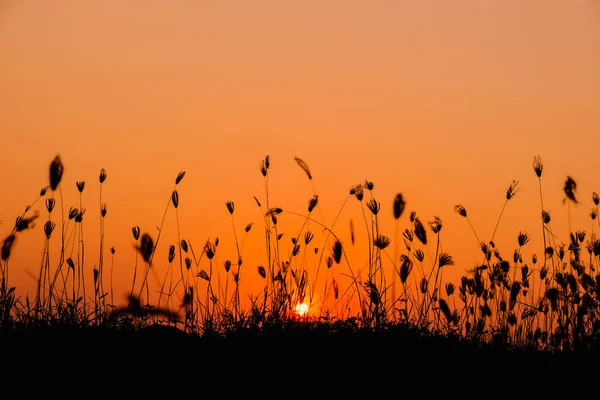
{"x": 549, "y": 302}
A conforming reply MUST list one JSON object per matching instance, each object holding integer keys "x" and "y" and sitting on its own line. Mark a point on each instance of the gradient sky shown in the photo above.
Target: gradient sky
{"x": 446, "y": 102}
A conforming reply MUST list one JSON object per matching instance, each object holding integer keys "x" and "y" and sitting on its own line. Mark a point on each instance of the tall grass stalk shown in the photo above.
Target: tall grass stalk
{"x": 538, "y": 168}
{"x": 81, "y": 286}
{"x": 173, "y": 198}
{"x": 102, "y": 210}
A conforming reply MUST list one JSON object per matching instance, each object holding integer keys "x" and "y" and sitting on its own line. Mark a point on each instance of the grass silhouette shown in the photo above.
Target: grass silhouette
{"x": 546, "y": 308}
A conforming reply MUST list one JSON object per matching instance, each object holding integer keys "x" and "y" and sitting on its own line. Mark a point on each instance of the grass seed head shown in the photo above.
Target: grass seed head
{"x": 399, "y": 205}
{"x": 445, "y": 309}
{"x": 419, "y": 231}
{"x": 445, "y": 259}
{"x": 56, "y": 172}
{"x": 413, "y": 215}
{"x": 312, "y": 203}
{"x": 308, "y": 236}
{"x": 79, "y": 216}
{"x": 337, "y": 251}
{"x": 435, "y": 225}
{"x": 73, "y": 211}
{"x": 7, "y": 245}
{"x": 538, "y": 166}
{"x": 461, "y": 210}
{"x": 146, "y": 247}
{"x": 419, "y": 255}
{"x": 381, "y": 241}
{"x": 179, "y": 177}
{"x": 304, "y": 167}
{"x": 230, "y": 206}
{"x": 102, "y": 176}
{"x": 523, "y": 239}
{"x": 24, "y": 223}
{"x": 175, "y": 198}
{"x": 80, "y": 186}
{"x": 136, "y": 232}
{"x": 209, "y": 249}
{"x": 329, "y": 262}
{"x": 262, "y": 272}
{"x": 358, "y": 192}
{"x": 405, "y": 268}
{"x": 374, "y": 206}
{"x": 512, "y": 190}
{"x": 264, "y": 165}
{"x": 171, "y": 253}
{"x": 48, "y": 228}
{"x": 570, "y": 190}
{"x": 202, "y": 274}
{"x": 546, "y": 217}
{"x": 423, "y": 286}
{"x": 596, "y": 247}
{"x": 274, "y": 211}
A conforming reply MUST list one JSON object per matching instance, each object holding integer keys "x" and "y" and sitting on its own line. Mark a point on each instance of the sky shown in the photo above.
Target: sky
{"x": 444, "y": 102}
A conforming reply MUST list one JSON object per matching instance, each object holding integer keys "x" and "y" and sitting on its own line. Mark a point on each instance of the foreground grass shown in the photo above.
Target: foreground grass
{"x": 544, "y": 310}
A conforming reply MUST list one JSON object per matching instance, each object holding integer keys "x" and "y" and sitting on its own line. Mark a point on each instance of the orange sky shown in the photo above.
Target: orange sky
{"x": 445, "y": 102}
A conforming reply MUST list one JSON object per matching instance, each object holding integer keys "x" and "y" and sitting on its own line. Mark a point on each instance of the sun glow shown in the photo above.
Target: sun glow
{"x": 301, "y": 309}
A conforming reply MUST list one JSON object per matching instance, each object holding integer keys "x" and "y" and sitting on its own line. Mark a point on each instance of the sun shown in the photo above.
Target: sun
{"x": 301, "y": 309}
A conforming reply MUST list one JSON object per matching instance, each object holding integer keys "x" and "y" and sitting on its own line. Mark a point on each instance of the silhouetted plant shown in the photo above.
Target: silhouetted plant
{"x": 514, "y": 301}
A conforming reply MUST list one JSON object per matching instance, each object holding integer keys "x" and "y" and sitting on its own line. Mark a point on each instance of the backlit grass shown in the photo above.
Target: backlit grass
{"x": 547, "y": 303}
